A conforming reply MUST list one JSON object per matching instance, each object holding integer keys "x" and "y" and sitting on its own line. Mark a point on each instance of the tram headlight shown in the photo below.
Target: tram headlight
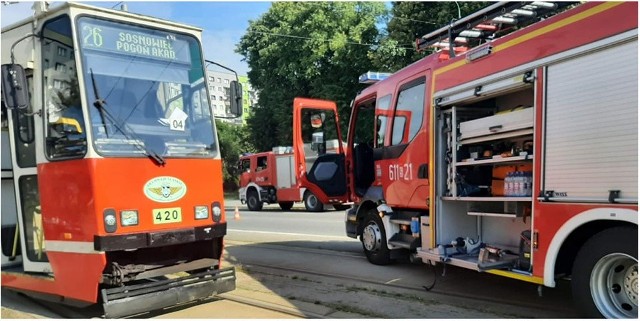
{"x": 217, "y": 212}
{"x": 110, "y": 221}
{"x": 129, "y": 217}
{"x": 201, "y": 212}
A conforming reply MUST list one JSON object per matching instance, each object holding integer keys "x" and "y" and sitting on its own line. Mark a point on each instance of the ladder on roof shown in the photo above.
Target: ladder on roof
{"x": 484, "y": 25}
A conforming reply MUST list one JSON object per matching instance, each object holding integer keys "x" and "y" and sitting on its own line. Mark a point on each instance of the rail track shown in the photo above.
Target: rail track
{"x": 55, "y": 310}
{"x": 435, "y": 275}
{"x": 442, "y": 291}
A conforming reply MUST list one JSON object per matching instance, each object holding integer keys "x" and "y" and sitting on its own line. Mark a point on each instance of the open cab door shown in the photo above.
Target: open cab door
{"x": 318, "y": 150}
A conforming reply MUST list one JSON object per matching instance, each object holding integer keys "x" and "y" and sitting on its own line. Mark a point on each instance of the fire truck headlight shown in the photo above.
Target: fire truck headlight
{"x": 110, "y": 221}
{"x": 201, "y": 212}
{"x": 129, "y": 217}
{"x": 217, "y": 212}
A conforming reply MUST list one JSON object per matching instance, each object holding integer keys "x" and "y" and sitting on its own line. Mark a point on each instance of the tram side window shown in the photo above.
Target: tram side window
{"x": 23, "y": 130}
{"x": 65, "y": 128}
{"x": 4, "y": 131}
{"x": 32, "y": 219}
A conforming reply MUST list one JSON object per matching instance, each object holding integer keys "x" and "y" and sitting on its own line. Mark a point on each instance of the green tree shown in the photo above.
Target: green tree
{"x": 306, "y": 49}
{"x": 411, "y": 20}
{"x": 233, "y": 141}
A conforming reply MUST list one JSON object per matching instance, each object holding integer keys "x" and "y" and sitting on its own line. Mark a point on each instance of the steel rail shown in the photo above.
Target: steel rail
{"x": 419, "y": 288}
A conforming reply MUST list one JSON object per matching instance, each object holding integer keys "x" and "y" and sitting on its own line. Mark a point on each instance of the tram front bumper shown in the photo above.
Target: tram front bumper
{"x": 145, "y": 297}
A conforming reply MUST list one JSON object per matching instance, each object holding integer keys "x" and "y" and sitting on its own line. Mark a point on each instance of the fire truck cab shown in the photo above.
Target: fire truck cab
{"x": 509, "y": 152}
{"x": 111, "y": 170}
{"x": 312, "y": 171}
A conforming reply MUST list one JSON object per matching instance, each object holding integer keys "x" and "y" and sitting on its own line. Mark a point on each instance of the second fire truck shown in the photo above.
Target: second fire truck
{"x": 299, "y": 173}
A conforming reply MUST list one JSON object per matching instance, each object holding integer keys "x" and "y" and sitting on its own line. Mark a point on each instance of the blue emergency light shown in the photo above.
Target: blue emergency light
{"x": 372, "y": 77}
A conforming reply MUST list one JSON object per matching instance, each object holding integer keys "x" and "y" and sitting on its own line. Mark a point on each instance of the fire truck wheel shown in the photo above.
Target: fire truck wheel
{"x": 605, "y": 274}
{"x": 374, "y": 240}
{"x": 253, "y": 201}
{"x": 312, "y": 203}
{"x": 285, "y": 206}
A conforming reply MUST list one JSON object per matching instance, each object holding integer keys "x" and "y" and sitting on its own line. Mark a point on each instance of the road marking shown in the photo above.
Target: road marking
{"x": 289, "y": 234}
{"x": 394, "y": 280}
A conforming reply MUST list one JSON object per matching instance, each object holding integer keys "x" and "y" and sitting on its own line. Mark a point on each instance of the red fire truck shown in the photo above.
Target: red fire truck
{"x": 111, "y": 171}
{"x": 511, "y": 151}
{"x": 306, "y": 172}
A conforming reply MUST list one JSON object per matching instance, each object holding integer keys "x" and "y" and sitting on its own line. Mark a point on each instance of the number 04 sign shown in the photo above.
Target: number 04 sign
{"x": 177, "y": 120}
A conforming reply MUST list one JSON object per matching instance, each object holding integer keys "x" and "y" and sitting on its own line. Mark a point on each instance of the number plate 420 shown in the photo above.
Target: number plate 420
{"x": 167, "y": 215}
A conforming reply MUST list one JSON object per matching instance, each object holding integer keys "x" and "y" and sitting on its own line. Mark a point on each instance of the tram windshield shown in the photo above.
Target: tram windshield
{"x": 146, "y": 91}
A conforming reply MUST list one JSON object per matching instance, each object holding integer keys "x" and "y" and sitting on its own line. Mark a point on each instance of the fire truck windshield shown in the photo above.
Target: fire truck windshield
{"x": 151, "y": 84}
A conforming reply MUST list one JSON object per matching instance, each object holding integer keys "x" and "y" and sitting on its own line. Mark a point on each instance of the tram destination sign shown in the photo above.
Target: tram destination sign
{"x": 133, "y": 41}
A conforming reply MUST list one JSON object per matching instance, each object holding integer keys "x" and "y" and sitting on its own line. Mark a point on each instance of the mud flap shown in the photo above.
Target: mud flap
{"x": 144, "y": 297}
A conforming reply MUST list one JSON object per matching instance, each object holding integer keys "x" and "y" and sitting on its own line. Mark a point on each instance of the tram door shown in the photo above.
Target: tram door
{"x": 10, "y": 242}
{"x": 22, "y": 226}
{"x": 51, "y": 130}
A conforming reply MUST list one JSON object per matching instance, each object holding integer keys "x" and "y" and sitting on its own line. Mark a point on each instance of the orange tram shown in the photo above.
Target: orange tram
{"x": 111, "y": 170}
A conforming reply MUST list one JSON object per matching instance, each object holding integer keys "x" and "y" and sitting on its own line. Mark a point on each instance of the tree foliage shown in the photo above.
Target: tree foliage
{"x": 411, "y": 20}
{"x": 318, "y": 50}
{"x": 306, "y": 49}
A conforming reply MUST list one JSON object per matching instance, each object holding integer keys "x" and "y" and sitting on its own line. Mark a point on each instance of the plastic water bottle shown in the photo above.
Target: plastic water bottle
{"x": 528, "y": 183}
{"x": 508, "y": 184}
{"x": 521, "y": 184}
{"x": 517, "y": 184}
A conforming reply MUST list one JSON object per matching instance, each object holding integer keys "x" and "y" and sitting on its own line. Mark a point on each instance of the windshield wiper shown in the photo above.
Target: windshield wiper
{"x": 98, "y": 103}
{"x": 129, "y": 134}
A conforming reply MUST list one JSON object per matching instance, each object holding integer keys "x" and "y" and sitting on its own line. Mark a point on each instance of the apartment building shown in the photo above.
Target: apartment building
{"x": 219, "y": 89}
{"x": 249, "y": 98}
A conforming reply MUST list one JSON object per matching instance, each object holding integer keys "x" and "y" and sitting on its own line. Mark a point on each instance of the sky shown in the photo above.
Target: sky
{"x": 223, "y": 22}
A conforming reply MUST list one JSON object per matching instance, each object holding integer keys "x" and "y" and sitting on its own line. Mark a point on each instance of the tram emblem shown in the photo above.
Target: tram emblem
{"x": 165, "y": 189}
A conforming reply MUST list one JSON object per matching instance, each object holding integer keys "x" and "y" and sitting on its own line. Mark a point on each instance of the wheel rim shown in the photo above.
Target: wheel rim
{"x": 312, "y": 201}
{"x": 253, "y": 201}
{"x": 614, "y": 286}
{"x": 372, "y": 237}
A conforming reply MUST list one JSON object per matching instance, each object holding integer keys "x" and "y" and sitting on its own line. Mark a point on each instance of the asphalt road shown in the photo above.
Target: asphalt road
{"x": 300, "y": 241}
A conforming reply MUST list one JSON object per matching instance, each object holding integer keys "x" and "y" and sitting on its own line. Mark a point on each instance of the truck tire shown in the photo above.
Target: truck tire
{"x": 312, "y": 203}
{"x": 604, "y": 279}
{"x": 285, "y": 206}
{"x": 374, "y": 239}
{"x": 253, "y": 201}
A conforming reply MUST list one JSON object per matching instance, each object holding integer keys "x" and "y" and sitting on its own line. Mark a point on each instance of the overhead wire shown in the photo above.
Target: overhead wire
{"x": 429, "y": 22}
{"x": 309, "y": 38}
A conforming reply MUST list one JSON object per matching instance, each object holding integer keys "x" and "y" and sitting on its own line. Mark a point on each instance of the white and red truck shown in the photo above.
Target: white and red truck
{"x": 306, "y": 172}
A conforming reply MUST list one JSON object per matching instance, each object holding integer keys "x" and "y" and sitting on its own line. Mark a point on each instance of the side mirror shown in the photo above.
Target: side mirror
{"x": 317, "y": 120}
{"x": 15, "y": 92}
{"x": 318, "y": 143}
{"x": 236, "y": 98}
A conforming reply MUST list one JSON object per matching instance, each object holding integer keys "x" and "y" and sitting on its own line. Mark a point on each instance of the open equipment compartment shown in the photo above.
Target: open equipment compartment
{"x": 481, "y": 140}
